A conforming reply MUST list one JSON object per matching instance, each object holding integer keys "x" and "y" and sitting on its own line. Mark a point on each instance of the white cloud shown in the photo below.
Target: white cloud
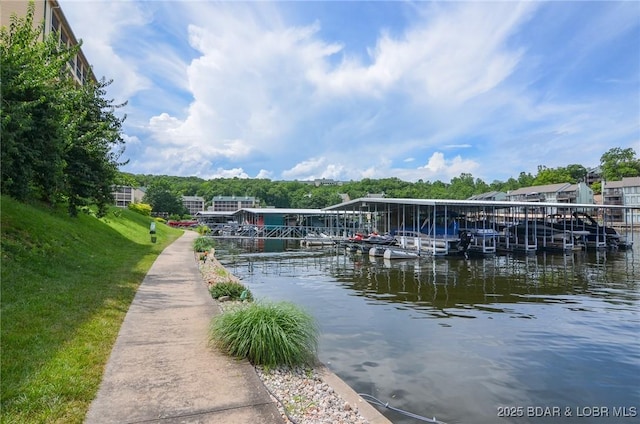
{"x": 264, "y": 174}
{"x": 256, "y": 82}
{"x": 229, "y": 173}
{"x": 306, "y": 170}
{"x": 261, "y": 88}
{"x": 460, "y": 54}
{"x": 456, "y": 146}
{"x": 130, "y": 139}
{"x": 437, "y": 165}
{"x": 163, "y": 126}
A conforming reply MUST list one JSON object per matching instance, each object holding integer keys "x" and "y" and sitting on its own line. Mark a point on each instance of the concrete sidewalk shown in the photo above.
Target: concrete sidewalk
{"x": 161, "y": 369}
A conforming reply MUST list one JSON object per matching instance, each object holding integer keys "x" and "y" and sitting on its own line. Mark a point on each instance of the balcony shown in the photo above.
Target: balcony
{"x": 567, "y": 197}
{"x": 615, "y": 201}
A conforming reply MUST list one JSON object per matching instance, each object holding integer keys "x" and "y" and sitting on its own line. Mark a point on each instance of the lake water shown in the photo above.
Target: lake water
{"x": 540, "y": 339}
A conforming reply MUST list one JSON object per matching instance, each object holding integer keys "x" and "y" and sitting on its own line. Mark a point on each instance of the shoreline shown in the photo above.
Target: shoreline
{"x": 303, "y": 395}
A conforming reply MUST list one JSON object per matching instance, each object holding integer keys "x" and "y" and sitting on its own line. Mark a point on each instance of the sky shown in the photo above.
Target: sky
{"x": 299, "y": 90}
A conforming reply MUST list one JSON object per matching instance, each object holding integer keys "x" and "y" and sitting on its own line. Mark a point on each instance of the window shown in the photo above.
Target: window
{"x": 55, "y": 24}
{"x": 64, "y": 38}
{"x": 72, "y": 64}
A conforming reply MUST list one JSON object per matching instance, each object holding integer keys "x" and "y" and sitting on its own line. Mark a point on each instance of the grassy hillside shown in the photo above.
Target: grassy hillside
{"x": 67, "y": 284}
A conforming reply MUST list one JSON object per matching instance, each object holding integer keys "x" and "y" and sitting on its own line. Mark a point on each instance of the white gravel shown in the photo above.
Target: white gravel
{"x": 306, "y": 398}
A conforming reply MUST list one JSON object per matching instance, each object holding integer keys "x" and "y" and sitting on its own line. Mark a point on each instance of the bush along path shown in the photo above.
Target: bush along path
{"x": 288, "y": 368}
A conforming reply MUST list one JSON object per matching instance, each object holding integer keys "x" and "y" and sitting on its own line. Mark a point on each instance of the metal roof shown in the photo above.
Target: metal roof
{"x": 214, "y": 213}
{"x": 363, "y": 202}
{"x": 283, "y": 211}
{"x": 549, "y": 188}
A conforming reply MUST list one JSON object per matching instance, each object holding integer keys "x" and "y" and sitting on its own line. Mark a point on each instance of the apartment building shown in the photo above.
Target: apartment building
{"x": 625, "y": 192}
{"x": 50, "y": 12}
{"x": 125, "y": 195}
{"x": 194, "y": 204}
{"x": 553, "y": 193}
{"x": 232, "y": 203}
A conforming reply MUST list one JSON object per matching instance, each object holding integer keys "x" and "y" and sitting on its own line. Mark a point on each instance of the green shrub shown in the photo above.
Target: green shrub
{"x": 141, "y": 208}
{"x": 202, "y": 244}
{"x": 203, "y": 230}
{"x": 269, "y": 334}
{"x": 234, "y": 290}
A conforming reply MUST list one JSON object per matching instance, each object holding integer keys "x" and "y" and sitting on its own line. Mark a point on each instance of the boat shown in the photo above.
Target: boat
{"x": 483, "y": 242}
{"x": 362, "y": 243}
{"x": 594, "y": 235}
{"x": 517, "y": 239}
{"x": 534, "y": 235}
{"x": 377, "y": 239}
{"x": 444, "y": 234}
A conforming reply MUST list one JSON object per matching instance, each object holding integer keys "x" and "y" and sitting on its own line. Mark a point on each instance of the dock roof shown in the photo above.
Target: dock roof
{"x": 363, "y": 202}
{"x": 283, "y": 211}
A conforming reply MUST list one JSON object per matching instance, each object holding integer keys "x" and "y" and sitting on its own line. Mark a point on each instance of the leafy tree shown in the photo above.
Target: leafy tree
{"x": 127, "y": 179}
{"x": 439, "y": 190}
{"x": 618, "y": 163}
{"x": 278, "y": 196}
{"x": 462, "y": 187}
{"x": 551, "y": 176}
{"x": 577, "y": 172}
{"x": 161, "y": 199}
{"x": 510, "y": 184}
{"x": 60, "y": 140}
{"x": 525, "y": 179}
{"x": 34, "y": 82}
{"x": 94, "y": 145}
{"x": 570, "y": 174}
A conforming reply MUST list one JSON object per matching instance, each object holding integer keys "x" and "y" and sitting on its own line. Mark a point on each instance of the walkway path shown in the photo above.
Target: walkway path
{"x": 161, "y": 369}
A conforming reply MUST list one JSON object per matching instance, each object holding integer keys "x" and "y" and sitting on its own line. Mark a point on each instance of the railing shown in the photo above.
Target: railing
{"x": 276, "y": 231}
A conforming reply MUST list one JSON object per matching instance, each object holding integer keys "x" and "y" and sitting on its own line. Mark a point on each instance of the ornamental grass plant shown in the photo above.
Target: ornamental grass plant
{"x": 203, "y": 244}
{"x": 268, "y": 334}
{"x": 234, "y": 290}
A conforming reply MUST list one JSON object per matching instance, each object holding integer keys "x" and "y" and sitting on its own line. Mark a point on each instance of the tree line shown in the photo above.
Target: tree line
{"x": 164, "y": 192}
{"x": 61, "y": 140}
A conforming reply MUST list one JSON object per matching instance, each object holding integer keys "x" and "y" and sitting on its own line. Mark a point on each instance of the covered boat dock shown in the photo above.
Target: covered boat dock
{"x": 438, "y": 226}
{"x": 449, "y": 227}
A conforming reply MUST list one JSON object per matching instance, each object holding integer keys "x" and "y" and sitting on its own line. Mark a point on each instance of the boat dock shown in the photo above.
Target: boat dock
{"x": 438, "y": 227}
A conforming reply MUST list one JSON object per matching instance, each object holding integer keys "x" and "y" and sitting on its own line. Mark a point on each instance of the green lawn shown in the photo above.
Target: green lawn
{"x": 67, "y": 284}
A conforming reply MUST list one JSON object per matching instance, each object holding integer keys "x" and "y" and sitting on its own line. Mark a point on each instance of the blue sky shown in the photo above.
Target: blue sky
{"x": 351, "y": 90}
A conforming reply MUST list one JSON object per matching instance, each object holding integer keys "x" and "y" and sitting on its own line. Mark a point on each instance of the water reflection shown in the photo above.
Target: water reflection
{"x": 459, "y": 339}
